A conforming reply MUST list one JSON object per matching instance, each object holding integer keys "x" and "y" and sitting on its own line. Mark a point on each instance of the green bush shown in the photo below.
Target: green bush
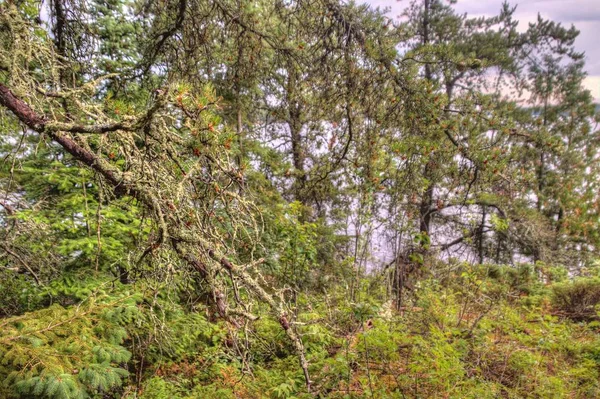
{"x": 67, "y": 353}
{"x": 577, "y": 300}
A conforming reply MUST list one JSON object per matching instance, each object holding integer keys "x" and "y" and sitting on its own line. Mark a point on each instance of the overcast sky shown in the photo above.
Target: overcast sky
{"x": 584, "y": 14}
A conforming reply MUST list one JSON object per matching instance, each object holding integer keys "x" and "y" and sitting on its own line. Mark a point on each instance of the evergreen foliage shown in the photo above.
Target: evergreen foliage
{"x": 59, "y": 352}
{"x": 294, "y": 199}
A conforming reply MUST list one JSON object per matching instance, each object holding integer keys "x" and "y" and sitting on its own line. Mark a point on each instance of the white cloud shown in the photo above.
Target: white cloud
{"x": 592, "y": 83}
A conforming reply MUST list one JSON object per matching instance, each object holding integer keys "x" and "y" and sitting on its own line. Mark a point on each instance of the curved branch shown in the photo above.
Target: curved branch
{"x": 21, "y": 261}
{"x": 9, "y": 209}
{"x": 86, "y": 129}
{"x": 123, "y": 186}
{"x": 164, "y": 36}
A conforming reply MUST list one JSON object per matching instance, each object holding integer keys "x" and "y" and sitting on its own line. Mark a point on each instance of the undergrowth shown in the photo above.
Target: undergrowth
{"x": 472, "y": 332}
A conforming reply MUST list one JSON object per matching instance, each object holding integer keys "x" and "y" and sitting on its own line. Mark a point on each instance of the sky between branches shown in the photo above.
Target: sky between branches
{"x": 584, "y": 14}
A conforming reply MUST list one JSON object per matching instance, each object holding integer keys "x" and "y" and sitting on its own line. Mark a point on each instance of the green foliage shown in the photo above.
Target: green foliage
{"x": 196, "y": 199}
{"x": 61, "y": 386}
{"x": 72, "y": 213}
{"x": 157, "y": 388}
{"x": 577, "y": 300}
{"x": 299, "y": 248}
{"x": 71, "y": 352}
{"x": 18, "y": 294}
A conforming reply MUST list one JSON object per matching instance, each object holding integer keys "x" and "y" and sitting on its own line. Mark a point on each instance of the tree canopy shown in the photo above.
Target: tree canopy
{"x": 233, "y": 198}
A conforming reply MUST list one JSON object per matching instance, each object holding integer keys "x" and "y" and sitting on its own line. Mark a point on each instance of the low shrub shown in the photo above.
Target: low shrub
{"x": 577, "y": 300}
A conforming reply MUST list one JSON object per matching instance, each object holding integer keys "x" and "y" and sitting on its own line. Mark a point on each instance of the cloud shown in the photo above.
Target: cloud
{"x": 592, "y": 83}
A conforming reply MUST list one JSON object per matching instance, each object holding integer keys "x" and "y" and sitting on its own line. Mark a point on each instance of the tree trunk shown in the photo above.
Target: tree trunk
{"x": 295, "y": 125}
